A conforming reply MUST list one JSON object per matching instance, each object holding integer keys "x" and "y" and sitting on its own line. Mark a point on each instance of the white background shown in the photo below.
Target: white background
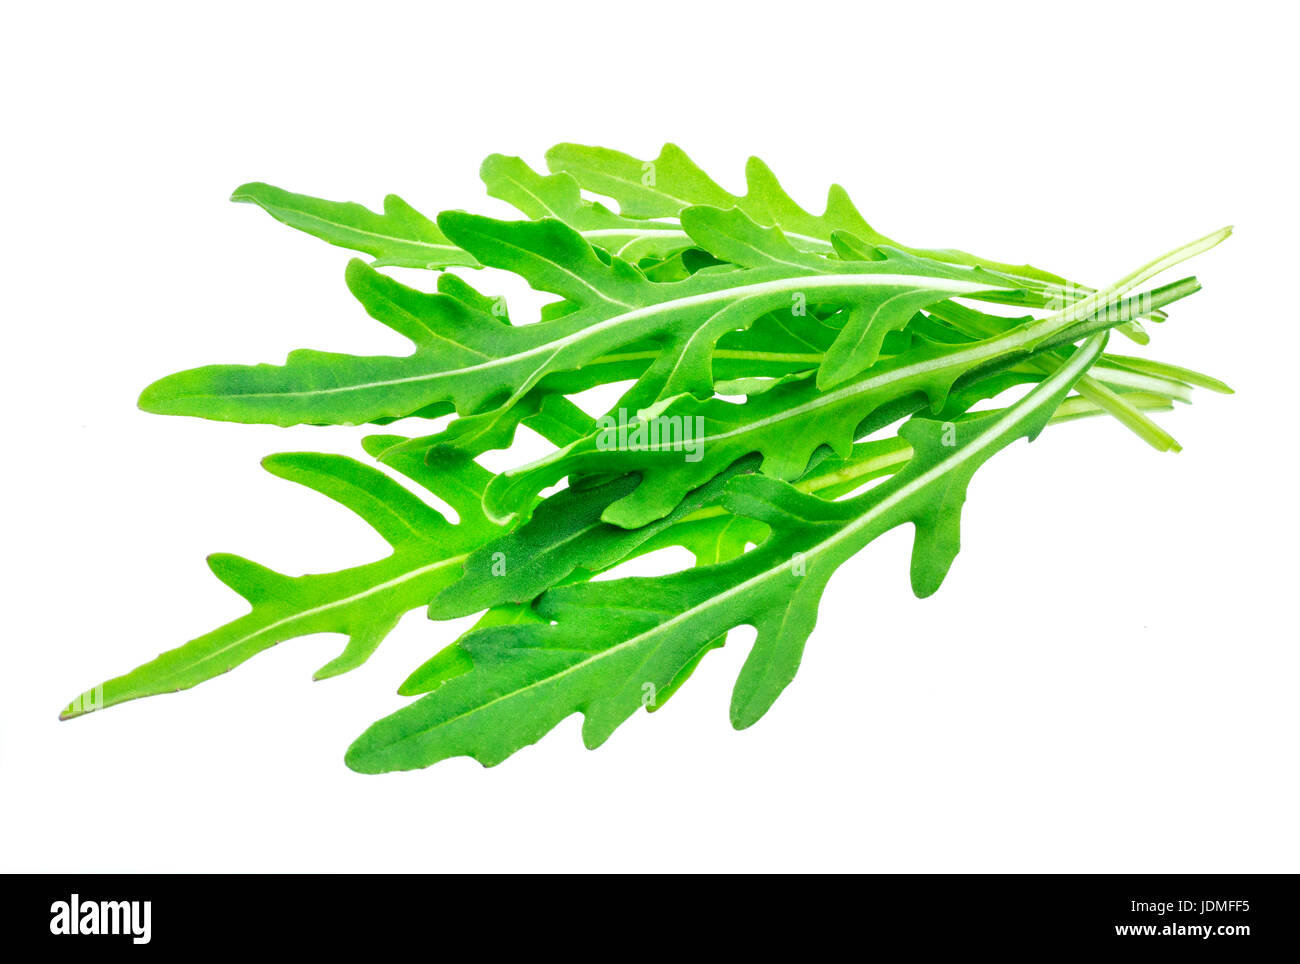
{"x": 1107, "y": 681}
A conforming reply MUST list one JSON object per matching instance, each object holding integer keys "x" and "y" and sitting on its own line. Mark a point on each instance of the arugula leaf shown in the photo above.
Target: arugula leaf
{"x": 362, "y": 603}
{"x": 557, "y": 196}
{"x": 471, "y": 360}
{"x": 566, "y": 542}
{"x": 672, "y": 182}
{"x": 689, "y": 296}
{"x": 400, "y": 237}
{"x": 682, "y": 443}
{"x": 566, "y": 532}
{"x": 526, "y": 679}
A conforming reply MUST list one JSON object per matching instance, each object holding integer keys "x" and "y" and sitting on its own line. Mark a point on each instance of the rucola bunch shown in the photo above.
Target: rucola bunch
{"x": 768, "y": 350}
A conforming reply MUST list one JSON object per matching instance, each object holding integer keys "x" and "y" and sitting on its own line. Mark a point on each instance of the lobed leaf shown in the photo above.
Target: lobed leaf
{"x": 468, "y": 359}
{"x": 607, "y": 644}
{"x": 677, "y": 446}
{"x": 821, "y": 329}
{"x": 399, "y": 237}
{"x": 362, "y": 603}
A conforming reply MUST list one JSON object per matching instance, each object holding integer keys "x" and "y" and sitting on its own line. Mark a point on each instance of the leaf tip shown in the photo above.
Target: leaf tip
{"x": 87, "y": 702}
{"x": 377, "y": 445}
{"x": 160, "y": 397}
{"x": 249, "y": 193}
{"x": 554, "y": 156}
{"x": 832, "y": 372}
{"x": 923, "y": 586}
{"x": 335, "y": 667}
{"x": 358, "y": 272}
{"x": 743, "y": 715}
{"x": 359, "y": 761}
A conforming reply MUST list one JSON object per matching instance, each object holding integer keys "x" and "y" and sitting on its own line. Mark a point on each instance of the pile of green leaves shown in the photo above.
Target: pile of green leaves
{"x": 793, "y": 385}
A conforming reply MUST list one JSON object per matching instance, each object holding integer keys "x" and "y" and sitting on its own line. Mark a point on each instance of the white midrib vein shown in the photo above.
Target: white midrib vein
{"x": 957, "y": 360}
{"x": 672, "y": 230}
{"x": 333, "y": 604}
{"x": 352, "y": 229}
{"x": 1042, "y": 327}
{"x": 952, "y": 286}
{"x": 1041, "y": 394}
{"x": 1003, "y": 344}
{"x": 633, "y": 234}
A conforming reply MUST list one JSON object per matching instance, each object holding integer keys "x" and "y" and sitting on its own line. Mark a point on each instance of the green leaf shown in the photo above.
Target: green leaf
{"x": 362, "y": 603}
{"x": 557, "y": 196}
{"x": 611, "y": 642}
{"x": 452, "y": 660}
{"x": 566, "y": 543}
{"x": 470, "y": 359}
{"x": 400, "y": 236}
{"x": 682, "y": 443}
{"x": 828, "y": 330}
{"x": 672, "y": 182}
{"x": 551, "y": 415}
{"x": 564, "y": 534}
{"x": 738, "y": 239}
